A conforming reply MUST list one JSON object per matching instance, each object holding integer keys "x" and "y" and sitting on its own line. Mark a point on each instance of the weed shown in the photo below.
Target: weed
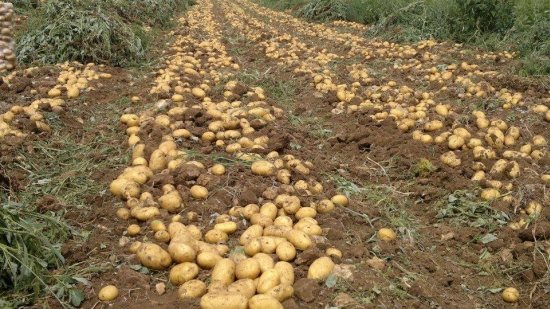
{"x": 423, "y": 167}
{"x": 464, "y": 208}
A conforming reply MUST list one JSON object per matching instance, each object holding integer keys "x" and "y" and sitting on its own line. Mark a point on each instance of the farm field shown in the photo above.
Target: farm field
{"x": 266, "y": 161}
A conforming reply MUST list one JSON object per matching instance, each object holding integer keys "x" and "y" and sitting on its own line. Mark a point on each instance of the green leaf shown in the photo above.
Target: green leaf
{"x": 488, "y": 238}
{"x": 331, "y": 281}
{"x": 76, "y": 297}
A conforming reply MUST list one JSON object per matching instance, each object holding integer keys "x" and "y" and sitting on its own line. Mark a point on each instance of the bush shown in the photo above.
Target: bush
{"x": 101, "y": 31}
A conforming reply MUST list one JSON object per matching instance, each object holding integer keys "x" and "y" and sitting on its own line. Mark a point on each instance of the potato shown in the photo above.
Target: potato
{"x": 299, "y": 239}
{"x": 252, "y": 232}
{"x": 264, "y": 302}
{"x": 125, "y": 188}
{"x": 226, "y": 227}
{"x": 134, "y": 247}
{"x": 217, "y": 169}
{"x": 224, "y": 271}
{"x": 281, "y": 292}
{"x": 278, "y": 230}
{"x": 340, "y": 200}
{"x": 333, "y": 252}
{"x": 198, "y": 192}
{"x": 222, "y": 299}
{"x": 248, "y": 268}
{"x": 108, "y": 293}
{"x": 157, "y": 225}
{"x": 269, "y": 210}
{"x": 171, "y": 201}
{"x": 455, "y": 142}
{"x": 325, "y": 206}
{"x": 269, "y": 279}
{"x": 320, "y": 269}
{"x": 433, "y": 125}
{"x": 252, "y": 247}
{"x": 157, "y": 161}
{"x": 450, "y": 159}
{"x": 259, "y": 219}
{"x": 133, "y": 230}
{"x": 183, "y": 272}
{"x": 510, "y": 295}
{"x": 490, "y": 194}
{"x": 263, "y": 168}
{"x": 215, "y": 236}
{"x": 286, "y": 272}
{"x": 245, "y": 287}
{"x": 386, "y": 234}
{"x": 249, "y": 210}
{"x": 265, "y": 261}
{"x": 286, "y": 251}
{"x": 207, "y": 260}
{"x": 281, "y": 221}
{"x": 181, "y": 252}
{"x": 153, "y": 256}
{"x": 305, "y": 212}
{"x": 162, "y": 236}
{"x": 194, "y": 231}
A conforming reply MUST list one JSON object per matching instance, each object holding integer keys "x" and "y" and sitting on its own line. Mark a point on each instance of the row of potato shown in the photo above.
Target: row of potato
{"x": 73, "y": 79}
{"x": 248, "y": 251}
{"x": 494, "y": 144}
{"x": 7, "y": 43}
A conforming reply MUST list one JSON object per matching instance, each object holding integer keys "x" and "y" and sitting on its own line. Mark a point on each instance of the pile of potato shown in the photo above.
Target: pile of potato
{"x": 7, "y": 43}
{"x": 249, "y": 249}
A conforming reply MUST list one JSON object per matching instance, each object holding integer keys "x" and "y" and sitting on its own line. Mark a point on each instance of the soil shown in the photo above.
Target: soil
{"x": 436, "y": 261}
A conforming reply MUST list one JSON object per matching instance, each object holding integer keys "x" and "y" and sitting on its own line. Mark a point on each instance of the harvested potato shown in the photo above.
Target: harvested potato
{"x": 268, "y": 280}
{"x": 226, "y": 227}
{"x": 183, "y": 272}
{"x": 133, "y": 230}
{"x": 264, "y": 301}
{"x": 181, "y": 252}
{"x": 299, "y": 239}
{"x": 224, "y": 271}
{"x": 333, "y": 252}
{"x": 198, "y": 192}
{"x": 510, "y": 295}
{"x": 281, "y": 292}
{"x": 263, "y": 168}
{"x": 386, "y": 234}
{"x": 254, "y": 231}
{"x": 286, "y": 251}
{"x": 226, "y": 300}
{"x": 108, "y": 293}
{"x": 286, "y": 272}
{"x": 320, "y": 269}
{"x": 215, "y": 236}
{"x": 340, "y": 200}
{"x": 207, "y": 260}
{"x": 153, "y": 256}
{"x": 245, "y": 287}
{"x": 218, "y": 169}
{"x": 265, "y": 261}
{"x": 248, "y": 268}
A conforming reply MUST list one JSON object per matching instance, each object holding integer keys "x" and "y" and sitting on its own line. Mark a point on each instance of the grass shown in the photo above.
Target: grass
{"x": 61, "y": 167}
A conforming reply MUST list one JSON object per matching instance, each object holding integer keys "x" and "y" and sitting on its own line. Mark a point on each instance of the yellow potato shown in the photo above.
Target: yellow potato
{"x": 259, "y": 219}
{"x": 134, "y": 247}
{"x": 265, "y": 261}
{"x": 207, "y": 260}
{"x": 269, "y": 279}
{"x": 198, "y": 192}
{"x": 162, "y": 236}
{"x": 123, "y": 213}
{"x": 510, "y": 295}
{"x": 125, "y": 188}
{"x": 183, "y": 272}
{"x": 281, "y": 292}
{"x": 248, "y": 268}
{"x": 263, "y": 168}
{"x": 325, "y": 206}
{"x": 340, "y": 200}
{"x": 286, "y": 251}
{"x": 181, "y": 252}
{"x": 249, "y": 210}
{"x": 286, "y": 272}
{"x": 254, "y": 231}
{"x": 278, "y": 230}
{"x": 245, "y": 287}
{"x": 269, "y": 210}
{"x": 320, "y": 269}
{"x": 264, "y": 302}
{"x": 218, "y": 169}
{"x": 224, "y": 271}
{"x": 171, "y": 201}
{"x": 133, "y": 230}
{"x": 299, "y": 239}
{"x": 252, "y": 247}
{"x": 226, "y": 227}
{"x": 225, "y": 300}
{"x": 215, "y": 236}
{"x": 153, "y": 256}
{"x": 108, "y": 293}
{"x": 490, "y": 194}
{"x": 333, "y": 252}
{"x": 386, "y": 234}
{"x": 305, "y": 212}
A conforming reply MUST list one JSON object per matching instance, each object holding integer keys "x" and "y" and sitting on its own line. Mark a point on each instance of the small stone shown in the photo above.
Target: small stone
{"x": 343, "y": 300}
{"x": 448, "y": 236}
{"x": 376, "y": 263}
{"x": 123, "y": 241}
{"x": 343, "y": 271}
{"x": 160, "y": 288}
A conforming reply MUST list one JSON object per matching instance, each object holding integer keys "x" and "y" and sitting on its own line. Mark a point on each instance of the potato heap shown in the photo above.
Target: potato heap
{"x": 7, "y": 43}
{"x": 73, "y": 79}
{"x": 248, "y": 250}
{"x": 498, "y": 149}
